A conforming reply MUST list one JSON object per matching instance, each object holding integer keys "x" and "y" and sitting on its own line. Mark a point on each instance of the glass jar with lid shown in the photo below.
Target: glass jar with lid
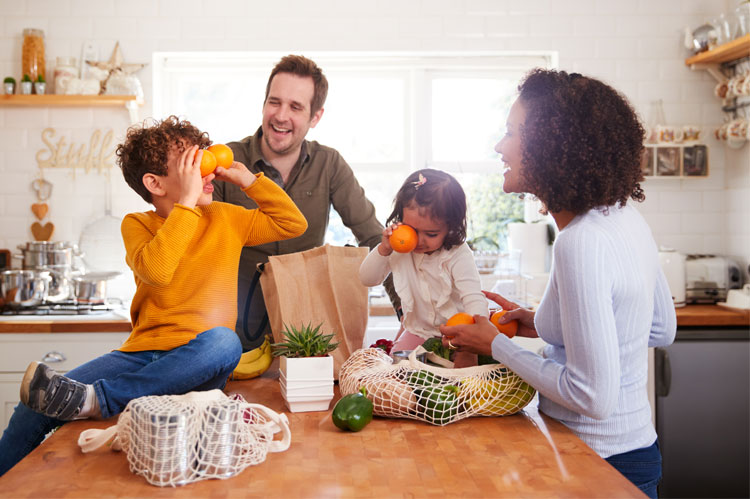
{"x": 32, "y": 55}
{"x": 66, "y": 69}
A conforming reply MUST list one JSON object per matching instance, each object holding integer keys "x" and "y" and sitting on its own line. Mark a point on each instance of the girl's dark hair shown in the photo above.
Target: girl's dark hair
{"x": 441, "y": 195}
{"x": 582, "y": 142}
{"x": 146, "y": 150}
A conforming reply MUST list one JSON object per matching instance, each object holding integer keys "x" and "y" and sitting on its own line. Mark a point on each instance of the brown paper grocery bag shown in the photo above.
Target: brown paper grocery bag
{"x": 317, "y": 286}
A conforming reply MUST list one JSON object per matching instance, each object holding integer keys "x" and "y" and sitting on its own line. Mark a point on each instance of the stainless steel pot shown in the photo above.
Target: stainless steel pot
{"x": 24, "y": 288}
{"x": 41, "y": 254}
{"x": 92, "y": 288}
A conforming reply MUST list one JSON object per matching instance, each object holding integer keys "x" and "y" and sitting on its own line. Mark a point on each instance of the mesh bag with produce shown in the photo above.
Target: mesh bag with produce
{"x": 437, "y": 395}
{"x": 178, "y": 439}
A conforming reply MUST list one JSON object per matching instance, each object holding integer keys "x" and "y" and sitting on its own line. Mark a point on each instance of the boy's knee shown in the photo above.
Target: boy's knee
{"x": 228, "y": 341}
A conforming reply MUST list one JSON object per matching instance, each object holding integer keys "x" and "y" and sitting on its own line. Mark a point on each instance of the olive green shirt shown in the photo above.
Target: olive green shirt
{"x": 320, "y": 179}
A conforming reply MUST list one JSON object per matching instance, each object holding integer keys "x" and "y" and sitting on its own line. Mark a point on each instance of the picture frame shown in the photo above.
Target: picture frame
{"x": 668, "y": 162}
{"x": 695, "y": 161}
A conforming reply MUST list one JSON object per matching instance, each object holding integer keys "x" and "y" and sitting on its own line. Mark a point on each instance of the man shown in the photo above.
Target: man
{"x": 314, "y": 176}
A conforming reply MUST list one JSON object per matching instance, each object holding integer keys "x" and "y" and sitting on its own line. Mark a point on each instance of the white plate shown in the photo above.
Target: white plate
{"x": 726, "y": 305}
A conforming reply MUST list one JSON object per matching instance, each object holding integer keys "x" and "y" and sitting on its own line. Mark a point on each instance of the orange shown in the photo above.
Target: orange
{"x": 208, "y": 163}
{"x": 403, "y": 239}
{"x": 460, "y": 318}
{"x": 224, "y": 155}
{"x": 509, "y": 329}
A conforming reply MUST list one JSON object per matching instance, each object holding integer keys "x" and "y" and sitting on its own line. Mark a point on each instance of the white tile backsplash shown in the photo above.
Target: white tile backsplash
{"x": 635, "y": 46}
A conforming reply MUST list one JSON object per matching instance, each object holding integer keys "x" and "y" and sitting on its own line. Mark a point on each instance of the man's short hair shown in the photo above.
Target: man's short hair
{"x": 302, "y": 66}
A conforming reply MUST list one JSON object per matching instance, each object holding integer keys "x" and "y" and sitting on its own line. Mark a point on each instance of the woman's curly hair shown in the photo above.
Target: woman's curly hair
{"x": 582, "y": 142}
{"x": 443, "y": 198}
{"x": 146, "y": 149}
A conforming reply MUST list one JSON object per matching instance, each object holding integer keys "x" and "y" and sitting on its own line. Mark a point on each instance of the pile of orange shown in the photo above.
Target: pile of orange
{"x": 216, "y": 155}
{"x": 403, "y": 239}
{"x": 509, "y": 329}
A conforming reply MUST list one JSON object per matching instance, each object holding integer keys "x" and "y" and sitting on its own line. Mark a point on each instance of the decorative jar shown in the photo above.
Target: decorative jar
{"x": 32, "y": 55}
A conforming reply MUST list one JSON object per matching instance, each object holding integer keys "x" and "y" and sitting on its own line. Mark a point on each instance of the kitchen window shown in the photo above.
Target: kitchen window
{"x": 387, "y": 113}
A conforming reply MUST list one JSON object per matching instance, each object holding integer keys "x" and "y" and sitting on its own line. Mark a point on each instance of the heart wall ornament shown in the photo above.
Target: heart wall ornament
{"x": 40, "y": 210}
{"x": 42, "y": 232}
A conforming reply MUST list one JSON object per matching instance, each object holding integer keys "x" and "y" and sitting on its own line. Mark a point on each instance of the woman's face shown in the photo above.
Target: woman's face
{"x": 509, "y": 148}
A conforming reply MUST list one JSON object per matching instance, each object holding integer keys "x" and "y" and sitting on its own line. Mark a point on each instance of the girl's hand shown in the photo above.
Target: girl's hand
{"x": 188, "y": 174}
{"x": 385, "y": 247}
{"x": 476, "y": 338}
{"x": 237, "y": 174}
{"x": 524, "y": 316}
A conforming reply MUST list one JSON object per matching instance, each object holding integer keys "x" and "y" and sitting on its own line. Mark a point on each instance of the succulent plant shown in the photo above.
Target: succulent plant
{"x": 26, "y": 78}
{"x": 304, "y": 342}
{"x": 9, "y": 79}
{"x": 40, "y": 79}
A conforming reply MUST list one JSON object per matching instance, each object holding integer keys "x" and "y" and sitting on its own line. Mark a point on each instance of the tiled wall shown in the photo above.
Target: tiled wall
{"x": 635, "y": 45}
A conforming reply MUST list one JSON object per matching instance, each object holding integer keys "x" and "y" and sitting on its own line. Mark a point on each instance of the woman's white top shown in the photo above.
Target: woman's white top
{"x": 607, "y": 301}
{"x": 432, "y": 288}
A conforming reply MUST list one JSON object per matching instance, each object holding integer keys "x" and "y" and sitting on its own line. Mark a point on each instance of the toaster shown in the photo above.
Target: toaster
{"x": 708, "y": 278}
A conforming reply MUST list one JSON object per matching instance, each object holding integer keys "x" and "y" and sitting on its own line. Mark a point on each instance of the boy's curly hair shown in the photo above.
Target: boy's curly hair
{"x": 146, "y": 149}
{"x": 441, "y": 195}
{"x": 582, "y": 142}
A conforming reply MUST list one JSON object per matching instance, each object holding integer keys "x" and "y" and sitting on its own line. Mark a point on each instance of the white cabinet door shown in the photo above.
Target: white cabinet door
{"x": 61, "y": 351}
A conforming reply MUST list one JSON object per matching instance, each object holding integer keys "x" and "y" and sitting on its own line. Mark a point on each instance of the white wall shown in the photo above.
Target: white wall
{"x": 635, "y": 45}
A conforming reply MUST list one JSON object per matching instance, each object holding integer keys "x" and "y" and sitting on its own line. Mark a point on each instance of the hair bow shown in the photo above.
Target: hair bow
{"x": 419, "y": 183}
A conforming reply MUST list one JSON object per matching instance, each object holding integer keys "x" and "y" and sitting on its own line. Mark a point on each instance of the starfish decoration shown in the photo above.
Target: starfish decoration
{"x": 116, "y": 63}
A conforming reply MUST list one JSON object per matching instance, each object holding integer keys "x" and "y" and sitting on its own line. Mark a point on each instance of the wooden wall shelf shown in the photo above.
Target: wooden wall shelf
{"x": 736, "y": 49}
{"x": 130, "y": 102}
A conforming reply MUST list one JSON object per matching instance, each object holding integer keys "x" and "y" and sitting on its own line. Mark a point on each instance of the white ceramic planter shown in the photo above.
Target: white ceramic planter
{"x": 307, "y": 383}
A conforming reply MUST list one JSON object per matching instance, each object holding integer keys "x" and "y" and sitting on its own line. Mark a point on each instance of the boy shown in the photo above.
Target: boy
{"x": 184, "y": 255}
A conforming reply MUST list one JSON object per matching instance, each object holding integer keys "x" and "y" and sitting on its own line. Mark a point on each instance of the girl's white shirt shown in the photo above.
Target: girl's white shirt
{"x": 432, "y": 288}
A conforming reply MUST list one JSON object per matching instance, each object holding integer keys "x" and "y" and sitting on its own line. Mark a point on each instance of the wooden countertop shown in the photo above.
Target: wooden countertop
{"x": 66, "y": 326}
{"x": 523, "y": 455}
{"x": 711, "y": 315}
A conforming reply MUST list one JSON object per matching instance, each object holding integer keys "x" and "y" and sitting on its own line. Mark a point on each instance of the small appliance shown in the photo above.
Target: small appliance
{"x": 710, "y": 277}
{"x": 673, "y": 265}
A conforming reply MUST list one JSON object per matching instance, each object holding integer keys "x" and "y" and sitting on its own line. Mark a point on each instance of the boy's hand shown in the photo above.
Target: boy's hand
{"x": 189, "y": 176}
{"x": 385, "y": 248}
{"x": 237, "y": 174}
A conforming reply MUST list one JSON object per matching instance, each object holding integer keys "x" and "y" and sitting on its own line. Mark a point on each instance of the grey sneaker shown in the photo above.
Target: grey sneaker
{"x": 52, "y": 394}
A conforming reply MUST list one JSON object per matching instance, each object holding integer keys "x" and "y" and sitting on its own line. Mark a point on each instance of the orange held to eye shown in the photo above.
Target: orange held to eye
{"x": 509, "y": 329}
{"x": 460, "y": 318}
{"x": 224, "y": 155}
{"x": 208, "y": 163}
{"x": 403, "y": 239}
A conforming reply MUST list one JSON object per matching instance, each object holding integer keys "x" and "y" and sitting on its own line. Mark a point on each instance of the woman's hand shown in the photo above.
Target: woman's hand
{"x": 385, "y": 248}
{"x": 524, "y": 316}
{"x": 237, "y": 174}
{"x": 476, "y": 338}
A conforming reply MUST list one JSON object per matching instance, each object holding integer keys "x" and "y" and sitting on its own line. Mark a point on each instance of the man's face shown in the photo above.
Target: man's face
{"x": 286, "y": 115}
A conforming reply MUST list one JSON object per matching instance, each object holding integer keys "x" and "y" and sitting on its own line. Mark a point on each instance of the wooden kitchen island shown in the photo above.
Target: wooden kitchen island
{"x": 525, "y": 455}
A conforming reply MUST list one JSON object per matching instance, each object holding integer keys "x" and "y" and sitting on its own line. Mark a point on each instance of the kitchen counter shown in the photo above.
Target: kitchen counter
{"x": 711, "y": 315}
{"x": 527, "y": 454}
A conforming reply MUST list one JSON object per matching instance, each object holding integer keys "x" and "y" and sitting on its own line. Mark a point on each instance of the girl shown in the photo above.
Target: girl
{"x": 439, "y": 278}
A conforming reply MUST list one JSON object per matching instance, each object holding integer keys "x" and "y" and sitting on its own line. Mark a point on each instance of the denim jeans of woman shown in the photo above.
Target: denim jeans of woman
{"x": 640, "y": 466}
{"x": 119, "y": 377}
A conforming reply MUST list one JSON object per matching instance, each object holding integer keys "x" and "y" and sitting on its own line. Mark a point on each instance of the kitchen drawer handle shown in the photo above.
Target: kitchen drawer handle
{"x": 54, "y": 357}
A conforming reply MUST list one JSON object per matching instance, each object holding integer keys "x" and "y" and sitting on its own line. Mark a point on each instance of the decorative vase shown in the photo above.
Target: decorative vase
{"x": 306, "y": 383}
{"x": 26, "y": 87}
{"x": 39, "y": 87}
{"x": 10, "y": 88}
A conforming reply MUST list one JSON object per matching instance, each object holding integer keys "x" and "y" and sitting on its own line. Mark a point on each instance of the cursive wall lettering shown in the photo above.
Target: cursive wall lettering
{"x": 96, "y": 155}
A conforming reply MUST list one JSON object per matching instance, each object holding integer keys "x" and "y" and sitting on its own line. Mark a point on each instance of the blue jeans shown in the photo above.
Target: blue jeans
{"x": 640, "y": 466}
{"x": 119, "y": 377}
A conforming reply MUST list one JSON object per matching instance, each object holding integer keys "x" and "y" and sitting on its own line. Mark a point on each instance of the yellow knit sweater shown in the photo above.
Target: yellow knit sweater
{"x": 185, "y": 266}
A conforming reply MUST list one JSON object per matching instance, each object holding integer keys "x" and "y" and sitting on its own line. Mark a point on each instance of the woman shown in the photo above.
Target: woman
{"x": 576, "y": 144}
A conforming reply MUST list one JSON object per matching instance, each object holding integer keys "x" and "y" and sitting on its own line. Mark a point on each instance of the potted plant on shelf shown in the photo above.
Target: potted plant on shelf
{"x": 9, "y": 83}
{"x": 40, "y": 85}
{"x": 306, "y": 368}
{"x": 26, "y": 85}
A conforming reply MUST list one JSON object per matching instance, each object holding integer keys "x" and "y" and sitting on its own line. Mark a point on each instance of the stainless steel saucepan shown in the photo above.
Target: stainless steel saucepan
{"x": 92, "y": 287}
{"x": 24, "y": 288}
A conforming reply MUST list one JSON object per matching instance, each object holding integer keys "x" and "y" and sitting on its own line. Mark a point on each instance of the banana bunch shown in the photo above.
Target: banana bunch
{"x": 255, "y": 362}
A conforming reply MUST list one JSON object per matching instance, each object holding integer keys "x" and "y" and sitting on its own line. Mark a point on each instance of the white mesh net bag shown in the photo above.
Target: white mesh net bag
{"x": 437, "y": 395}
{"x": 178, "y": 439}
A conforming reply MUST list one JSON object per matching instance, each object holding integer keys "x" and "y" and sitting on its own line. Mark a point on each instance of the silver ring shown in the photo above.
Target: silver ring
{"x": 451, "y": 345}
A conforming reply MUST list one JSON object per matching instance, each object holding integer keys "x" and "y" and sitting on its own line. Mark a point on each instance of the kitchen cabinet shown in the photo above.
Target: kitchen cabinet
{"x": 61, "y": 351}
{"x": 130, "y": 102}
{"x": 702, "y": 412}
